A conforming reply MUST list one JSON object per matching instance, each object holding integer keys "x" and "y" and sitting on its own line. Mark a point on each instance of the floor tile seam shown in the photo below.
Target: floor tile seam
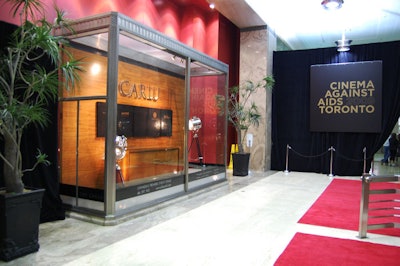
{"x": 219, "y": 198}
{"x": 347, "y": 234}
{"x": 217, "y": 202}
{"x": 154, "y": 227}
{"x": 191, "y": 197}
{"x": 178, "y": 216}
{"x": 163, "y": 221}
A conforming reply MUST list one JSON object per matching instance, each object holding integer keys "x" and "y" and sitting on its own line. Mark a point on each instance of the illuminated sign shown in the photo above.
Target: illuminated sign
{"x": 346, "y": 97}
{"x": 138, "y": 91}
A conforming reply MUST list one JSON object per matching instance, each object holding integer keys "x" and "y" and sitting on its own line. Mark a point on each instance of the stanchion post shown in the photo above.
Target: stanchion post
{"x": 331, "y": 162}
{"x": 287, "y": 159}
{"x": 372, "y": 165}
{"x": 363, "y": 218}
{"x": 365, "y": 160}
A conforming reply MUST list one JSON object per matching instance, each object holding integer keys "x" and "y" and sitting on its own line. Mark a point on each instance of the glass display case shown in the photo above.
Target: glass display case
{"x": 143, "y": 125}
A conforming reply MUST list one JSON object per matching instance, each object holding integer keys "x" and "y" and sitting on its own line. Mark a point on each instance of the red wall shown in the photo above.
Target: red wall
{"x": 194, "y": 26}
{"x": 228, "y": 52}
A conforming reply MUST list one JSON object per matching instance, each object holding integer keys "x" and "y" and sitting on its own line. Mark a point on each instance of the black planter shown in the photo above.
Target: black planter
{"x": 19, "y": 223}
{"x": 240, "y": 164}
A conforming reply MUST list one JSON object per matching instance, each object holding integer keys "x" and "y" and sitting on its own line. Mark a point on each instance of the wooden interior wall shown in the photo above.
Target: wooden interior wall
{"x": 91, "y": 148}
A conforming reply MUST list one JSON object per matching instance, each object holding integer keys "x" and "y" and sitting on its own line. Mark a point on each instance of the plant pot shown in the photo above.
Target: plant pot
{"x": 19, "y": 223}
{"x": 240, "y": 164}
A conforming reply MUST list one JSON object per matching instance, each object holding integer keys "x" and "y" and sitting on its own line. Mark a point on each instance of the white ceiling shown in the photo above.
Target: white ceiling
{"x": 305, "y": 24}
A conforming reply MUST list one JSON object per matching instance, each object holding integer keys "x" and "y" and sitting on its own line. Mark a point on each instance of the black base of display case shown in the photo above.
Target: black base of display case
{"x": 129, "y": 190}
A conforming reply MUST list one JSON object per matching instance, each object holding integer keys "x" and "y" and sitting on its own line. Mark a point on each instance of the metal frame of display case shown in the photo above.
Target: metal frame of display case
{"x": 197, "y": 64}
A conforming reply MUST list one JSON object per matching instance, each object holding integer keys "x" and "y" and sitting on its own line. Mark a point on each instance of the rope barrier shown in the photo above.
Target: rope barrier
{"x": 311, "y": 156}
{"x": 331, "y": 150}
{"x": 353, "y": 159}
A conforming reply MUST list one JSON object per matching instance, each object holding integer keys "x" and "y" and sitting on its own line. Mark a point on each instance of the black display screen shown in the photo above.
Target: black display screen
{"x": 135, "y": 121}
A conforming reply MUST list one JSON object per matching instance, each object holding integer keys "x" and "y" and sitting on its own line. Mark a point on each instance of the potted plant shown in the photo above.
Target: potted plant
{"x": 29, "y": 68}
{"x": 242, "y": 113}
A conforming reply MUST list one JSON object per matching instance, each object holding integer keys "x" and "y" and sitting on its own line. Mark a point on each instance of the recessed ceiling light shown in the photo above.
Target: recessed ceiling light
{"x": 332, "y": 4}
{"x": 343, "y": 45}
{"x": 212, "y": 5}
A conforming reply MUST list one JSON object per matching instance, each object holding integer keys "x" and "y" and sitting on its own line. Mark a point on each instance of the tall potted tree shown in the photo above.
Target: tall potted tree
{"x": 29, "y": 68}
{"x": 242, "y": 113}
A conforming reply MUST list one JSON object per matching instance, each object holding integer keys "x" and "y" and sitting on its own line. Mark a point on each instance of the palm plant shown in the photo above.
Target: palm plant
{"x": 242, "y": 112}
{"x": 29, "y": 69}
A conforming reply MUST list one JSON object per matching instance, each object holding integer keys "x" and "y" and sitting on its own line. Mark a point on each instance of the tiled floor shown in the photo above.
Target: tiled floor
{"x": 245, "y": 221}
{"x": 379, "y": 168}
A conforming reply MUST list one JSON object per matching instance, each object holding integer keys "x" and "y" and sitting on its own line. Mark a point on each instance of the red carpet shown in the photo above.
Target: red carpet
{"x": 339, "y": 207}
{"x": 305, "y": 249}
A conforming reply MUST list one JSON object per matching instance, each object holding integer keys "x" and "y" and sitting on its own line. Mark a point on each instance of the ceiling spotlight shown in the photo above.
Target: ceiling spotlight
{"x": 343, "y": 45}
{"x": 212, "y": 5}
{"x": 332, "y": 4}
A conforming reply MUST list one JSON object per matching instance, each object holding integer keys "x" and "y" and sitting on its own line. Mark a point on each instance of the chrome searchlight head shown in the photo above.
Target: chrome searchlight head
{"x": 194, "y": 124}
